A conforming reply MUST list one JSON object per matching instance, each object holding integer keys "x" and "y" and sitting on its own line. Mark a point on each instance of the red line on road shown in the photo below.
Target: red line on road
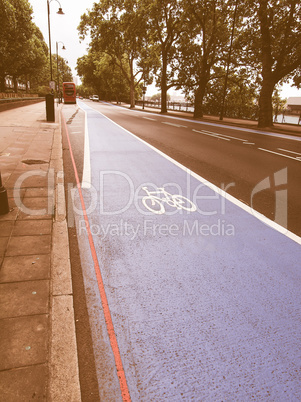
{"x": 107, "y": 314}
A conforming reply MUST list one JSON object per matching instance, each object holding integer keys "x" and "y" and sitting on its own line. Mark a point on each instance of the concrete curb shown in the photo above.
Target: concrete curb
{"x": 64, "y": 382}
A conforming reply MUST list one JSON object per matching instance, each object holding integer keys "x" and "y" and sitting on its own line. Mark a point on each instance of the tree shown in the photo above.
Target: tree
{"x": 16, "y": 30}
{"x": 61, "y": 70}
{"x": 164, "y": 27}
{"x": 240, "y": 101}
{"x": 99, "y": 73}
{"x": 22, "y": 47}
{"x": 118, "y": 28}
{"x": 157, "y": 97}
{"x": 274, "y": 38}
{"x": 203, "y": 45}
{"x": 85, "y": 69}
{"x": 32, "y": 59}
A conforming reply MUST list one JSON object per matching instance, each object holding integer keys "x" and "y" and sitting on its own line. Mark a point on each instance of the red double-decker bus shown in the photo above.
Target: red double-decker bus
{"x": 69, "y": 92}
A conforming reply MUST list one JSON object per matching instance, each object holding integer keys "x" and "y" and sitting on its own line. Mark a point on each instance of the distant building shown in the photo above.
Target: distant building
{"x": 293, "y": 105}
{"x": 75, "y": 79}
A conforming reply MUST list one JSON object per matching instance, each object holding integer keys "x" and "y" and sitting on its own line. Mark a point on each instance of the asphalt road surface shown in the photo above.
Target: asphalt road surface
{"x": 189, "y": 294}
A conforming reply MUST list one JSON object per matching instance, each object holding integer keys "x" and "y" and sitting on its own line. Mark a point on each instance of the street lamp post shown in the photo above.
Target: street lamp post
{"x": 50, "y": 97}
{"x": 57, "y": 67}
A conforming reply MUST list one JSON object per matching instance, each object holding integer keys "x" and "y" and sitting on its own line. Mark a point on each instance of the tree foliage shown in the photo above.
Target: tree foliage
{"x": 195, "y": 44}
{"x": 272, "y": 46}
{"x": 164, "y": 28}
{"x": 118, "y": 29}
{"x": 203, "y": 46}
{"x": 22, "y": 47}
{"x": 101, "y": 76}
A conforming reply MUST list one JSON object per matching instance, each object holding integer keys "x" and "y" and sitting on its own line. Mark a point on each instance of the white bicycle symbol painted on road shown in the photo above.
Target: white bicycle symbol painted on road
{"x": 154, "y": 203}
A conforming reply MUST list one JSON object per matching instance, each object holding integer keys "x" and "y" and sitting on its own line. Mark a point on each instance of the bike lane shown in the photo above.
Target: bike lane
{"x": 204, "y": 302}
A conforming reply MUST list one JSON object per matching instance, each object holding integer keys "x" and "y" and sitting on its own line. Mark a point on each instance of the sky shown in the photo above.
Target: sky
{"x": 63, "y": 28}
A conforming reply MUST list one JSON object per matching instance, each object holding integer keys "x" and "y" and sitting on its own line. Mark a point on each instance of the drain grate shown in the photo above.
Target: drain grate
{"x": 33, "y": 161}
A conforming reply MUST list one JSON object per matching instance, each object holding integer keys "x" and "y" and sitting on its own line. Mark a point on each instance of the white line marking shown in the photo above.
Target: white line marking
{"x": 291, "y": 152}
{"x": 86, "y": 179}
{"x": 148, "y": 118}
{"x": 219, "y": 191}
{"x": 172, "y": 124}
{"x": 211, "y": 135}
{"x": 234, "y": 138}
{"x": 249, "y": 143}
{"x": 277, "y": 153}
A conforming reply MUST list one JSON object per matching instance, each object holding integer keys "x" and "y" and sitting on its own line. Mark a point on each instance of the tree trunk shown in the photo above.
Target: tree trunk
{"x": 2, "y": 82}
{"x": 164, "y": 83}
{"x": 198, "y": 100}
{"x": 265, "y": 118}
{"x": 132, "y": 93}
{"x": 15, "y": 84}
{"x": 132, "y": 85}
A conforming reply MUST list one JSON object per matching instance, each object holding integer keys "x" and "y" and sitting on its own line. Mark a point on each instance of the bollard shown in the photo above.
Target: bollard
{"x": 4, "y": 208}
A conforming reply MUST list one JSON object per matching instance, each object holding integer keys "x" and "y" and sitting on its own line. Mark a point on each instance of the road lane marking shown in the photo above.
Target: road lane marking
{"x": 172, "y": 124}
{"x": 86, "y": 178}
{"x": 291, "y": 152}
{"x": 277, "y": 153}
{"x": 249, "y": 143}
{"x": 225, "y": 135}
{"x": 234, "y": 138}
{"x": 148, "y": 118}
{"x": 105, "y": 305}
{"x": 211, "y": 135}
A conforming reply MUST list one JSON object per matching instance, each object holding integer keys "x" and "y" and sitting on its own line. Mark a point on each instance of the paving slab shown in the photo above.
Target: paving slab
{"x": 33, "y": 207}
{"x": 38, "y": 178}
{"x": 25, "y": 268}
{"x": 3, "y": 245}
{"x": 24, "y": 298}
{"x": 24, "y": 384}
{"x": 23, "y": 341}
{"x": 11, "y": 216}
{"x": 6, "y": 228}
{"x": 29, "y": 245}
{"x": 10, "y": 193}
{"x": 38, "y": 192}
{"x": 33, "y": 227}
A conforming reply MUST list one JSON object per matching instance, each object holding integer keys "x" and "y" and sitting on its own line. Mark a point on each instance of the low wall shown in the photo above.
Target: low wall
{"x": 9, "y": 95}
{"x": 6, "y": 104}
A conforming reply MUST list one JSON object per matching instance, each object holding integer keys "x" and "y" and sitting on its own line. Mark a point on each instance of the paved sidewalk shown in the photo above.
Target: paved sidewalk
{"x": 38, "y": 355}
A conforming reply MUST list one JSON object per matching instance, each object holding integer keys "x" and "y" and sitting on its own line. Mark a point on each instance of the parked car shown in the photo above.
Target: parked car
{"x": 95, "y": 98}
